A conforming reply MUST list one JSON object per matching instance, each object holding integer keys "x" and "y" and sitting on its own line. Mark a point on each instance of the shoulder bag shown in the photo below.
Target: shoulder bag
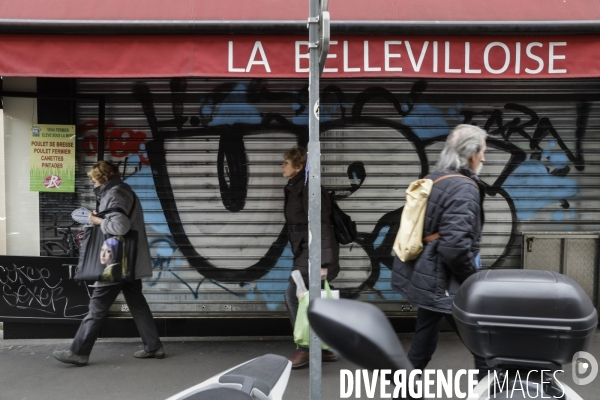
{"x": 120, "y": 249}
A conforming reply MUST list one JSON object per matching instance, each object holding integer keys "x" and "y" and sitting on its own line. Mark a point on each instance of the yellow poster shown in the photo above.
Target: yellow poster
{"x": 52, "y": 158}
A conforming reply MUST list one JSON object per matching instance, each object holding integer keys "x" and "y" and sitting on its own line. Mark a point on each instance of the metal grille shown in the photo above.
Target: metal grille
{"x": 204, "y": 156}
{"x": 581, "y": 263}
{"x": 572, "y": 254}
{"x": 546, "y": 257}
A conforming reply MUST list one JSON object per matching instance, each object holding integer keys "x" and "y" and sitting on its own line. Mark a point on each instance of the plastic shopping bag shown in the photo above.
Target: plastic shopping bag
{"x": 302, "y": 327}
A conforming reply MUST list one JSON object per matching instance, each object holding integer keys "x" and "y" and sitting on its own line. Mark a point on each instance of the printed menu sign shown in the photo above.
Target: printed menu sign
{"x": 52, "y": 158}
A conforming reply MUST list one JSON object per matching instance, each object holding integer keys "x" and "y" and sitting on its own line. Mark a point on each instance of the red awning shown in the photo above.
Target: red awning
{"x": 265, "y": 38}
{"x": 285, "y": 56}
{"x": 278, "y": 10}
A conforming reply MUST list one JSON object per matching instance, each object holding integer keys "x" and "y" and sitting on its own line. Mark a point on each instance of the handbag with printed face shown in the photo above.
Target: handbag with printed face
{"x": 107, "y": 258}
{"x": 118, "y": 256}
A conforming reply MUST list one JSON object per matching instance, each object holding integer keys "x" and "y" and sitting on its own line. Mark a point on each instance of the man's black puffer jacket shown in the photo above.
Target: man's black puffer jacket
{"x": 455, "y": 211}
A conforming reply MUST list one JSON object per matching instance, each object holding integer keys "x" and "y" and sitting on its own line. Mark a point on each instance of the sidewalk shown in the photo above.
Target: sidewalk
{"x": 29, "y": 372}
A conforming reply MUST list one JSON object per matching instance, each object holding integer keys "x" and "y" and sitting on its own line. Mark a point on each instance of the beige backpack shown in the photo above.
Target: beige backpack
{"x": 409, "y": 240}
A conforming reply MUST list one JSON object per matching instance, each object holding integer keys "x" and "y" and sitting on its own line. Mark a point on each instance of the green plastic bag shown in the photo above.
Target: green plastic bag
{"x": 302, "y": 327}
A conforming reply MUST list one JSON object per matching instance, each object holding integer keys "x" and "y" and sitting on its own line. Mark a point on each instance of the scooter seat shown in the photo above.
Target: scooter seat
{"x": 261, "y": 373}
{"x": 220, "y": 394}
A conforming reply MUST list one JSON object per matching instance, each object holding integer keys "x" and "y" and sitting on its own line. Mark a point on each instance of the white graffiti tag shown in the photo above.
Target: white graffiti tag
{"x": 27, "y": 287}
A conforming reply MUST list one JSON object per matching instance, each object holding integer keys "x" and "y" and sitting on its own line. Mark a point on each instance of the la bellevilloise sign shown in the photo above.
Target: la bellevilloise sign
{"x": 286, "y": 56}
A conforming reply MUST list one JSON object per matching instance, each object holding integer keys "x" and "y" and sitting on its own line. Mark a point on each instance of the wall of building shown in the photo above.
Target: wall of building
{"x": 20, "y": 229}
{"x": 204, "y": 156}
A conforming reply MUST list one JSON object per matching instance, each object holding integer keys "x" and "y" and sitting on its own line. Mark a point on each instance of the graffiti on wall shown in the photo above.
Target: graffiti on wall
{"x": 40, "y": 288}
{"x": 532, "y": 178}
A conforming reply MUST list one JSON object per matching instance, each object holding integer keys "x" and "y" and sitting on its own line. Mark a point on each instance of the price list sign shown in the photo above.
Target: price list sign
{"x": 52, "y": 158}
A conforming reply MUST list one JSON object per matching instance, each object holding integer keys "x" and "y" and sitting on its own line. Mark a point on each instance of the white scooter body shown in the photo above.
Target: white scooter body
{"x": 262, "y": 378}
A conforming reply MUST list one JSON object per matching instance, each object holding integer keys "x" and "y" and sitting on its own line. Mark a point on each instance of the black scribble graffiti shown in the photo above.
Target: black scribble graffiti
{"x": 32, "y": 288}
{"x": 233, "y": 169}
{"x": 128, "y": 169}
{"x": 494, "y": 126}
{"x": 543, "y": 127}
{"x": 232, "y": 172}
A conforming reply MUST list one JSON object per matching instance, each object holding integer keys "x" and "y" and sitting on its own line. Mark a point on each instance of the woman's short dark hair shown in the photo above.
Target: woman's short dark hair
{"x": 297, "y": 156}
{"x": 103, "y": 171}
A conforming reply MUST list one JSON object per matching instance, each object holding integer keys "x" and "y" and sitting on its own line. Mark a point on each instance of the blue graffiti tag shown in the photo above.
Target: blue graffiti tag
{"x": 532, "y": 188}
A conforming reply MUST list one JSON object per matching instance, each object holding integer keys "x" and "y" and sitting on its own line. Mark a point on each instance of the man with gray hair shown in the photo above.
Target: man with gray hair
{"x": 452, "y": 240}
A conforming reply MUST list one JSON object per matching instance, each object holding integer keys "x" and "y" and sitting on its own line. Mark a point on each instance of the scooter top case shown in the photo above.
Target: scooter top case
{"x": 524, "y": 318}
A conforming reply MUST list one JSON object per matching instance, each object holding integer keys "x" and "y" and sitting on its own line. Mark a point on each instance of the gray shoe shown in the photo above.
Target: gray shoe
{"x": 160, "y": 353}
{"x": 67, "y": 356}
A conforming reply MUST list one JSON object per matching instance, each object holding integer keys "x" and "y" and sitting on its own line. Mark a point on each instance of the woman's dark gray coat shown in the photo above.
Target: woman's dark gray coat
{"x": 455, "y": 211}
{"x": 117, "y": 194}
{"x": 296, "y": 217}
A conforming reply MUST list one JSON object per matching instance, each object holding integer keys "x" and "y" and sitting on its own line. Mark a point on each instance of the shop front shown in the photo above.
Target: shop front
{"x": 198, "y": 125}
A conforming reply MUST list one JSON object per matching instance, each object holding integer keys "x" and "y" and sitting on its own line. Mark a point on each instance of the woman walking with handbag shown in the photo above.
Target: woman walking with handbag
{"x": 296, "y": 217}
{"x": 113, "y": 193}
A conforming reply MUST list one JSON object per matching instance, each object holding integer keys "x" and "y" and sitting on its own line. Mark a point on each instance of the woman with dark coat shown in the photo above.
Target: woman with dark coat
{"x": 296, "y": 217}
{"x": 112, "y": 192}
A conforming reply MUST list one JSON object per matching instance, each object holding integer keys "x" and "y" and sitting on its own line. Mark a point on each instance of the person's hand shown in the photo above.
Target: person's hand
{"x": 323, "y": 274}
{"x": 95, "y": 220}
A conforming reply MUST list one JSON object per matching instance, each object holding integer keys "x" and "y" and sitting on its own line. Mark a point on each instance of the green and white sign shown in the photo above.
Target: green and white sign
{"x": 52, "y": 158}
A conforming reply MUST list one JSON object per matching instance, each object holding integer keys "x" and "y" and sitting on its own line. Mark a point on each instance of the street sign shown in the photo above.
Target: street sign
{"x": 324, "y": 39}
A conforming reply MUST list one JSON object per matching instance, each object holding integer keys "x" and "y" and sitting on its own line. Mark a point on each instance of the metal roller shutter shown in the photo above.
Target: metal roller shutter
{"x": 204, "y": 156}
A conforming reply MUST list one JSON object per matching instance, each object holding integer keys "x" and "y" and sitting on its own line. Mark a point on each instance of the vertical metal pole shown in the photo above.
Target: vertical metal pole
{"x": 314, "y": 200}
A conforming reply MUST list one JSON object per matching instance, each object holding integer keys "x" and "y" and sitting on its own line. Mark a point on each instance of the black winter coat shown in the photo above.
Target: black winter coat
{"x": 296, "y": 217}
{"x": 455, "y": 210}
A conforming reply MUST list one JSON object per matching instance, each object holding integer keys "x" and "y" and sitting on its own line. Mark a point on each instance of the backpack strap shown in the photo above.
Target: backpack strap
{"x": 103, "y": 213}
{"x": 431, "y": 238}
{"x": 436, "y": 235}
